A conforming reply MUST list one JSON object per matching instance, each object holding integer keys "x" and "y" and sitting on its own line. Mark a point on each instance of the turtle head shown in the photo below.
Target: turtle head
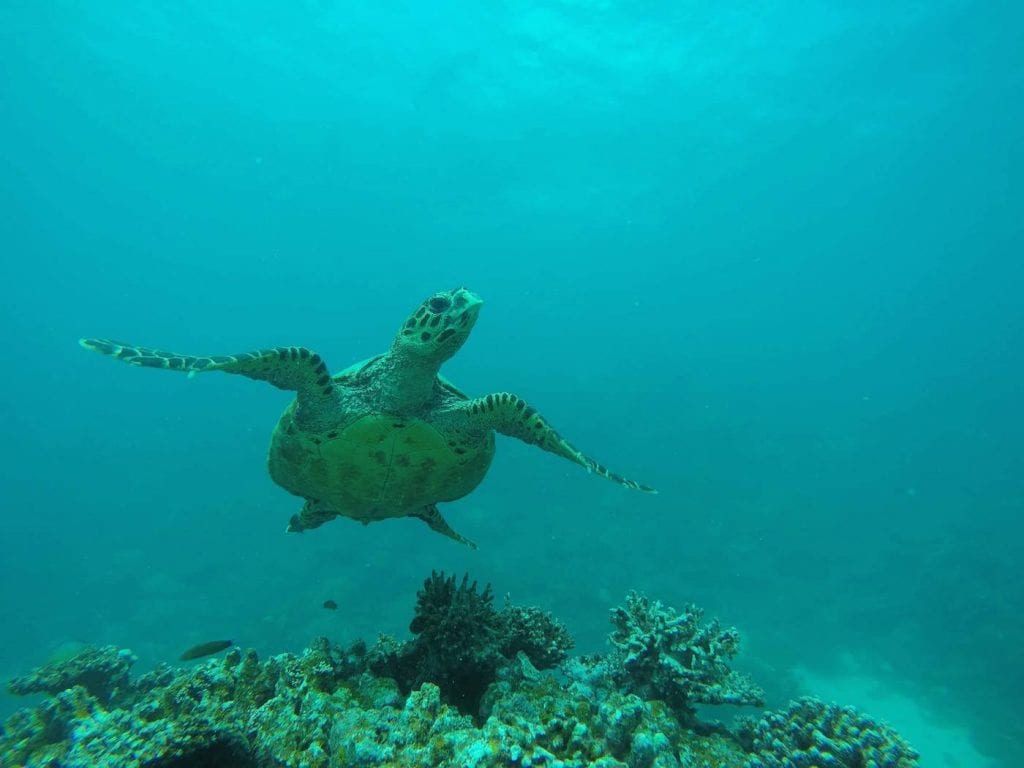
{"x": 439, "y": 326}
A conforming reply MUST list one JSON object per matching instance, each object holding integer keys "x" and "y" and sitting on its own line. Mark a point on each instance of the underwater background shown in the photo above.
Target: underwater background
{"x": 763, "y": 257}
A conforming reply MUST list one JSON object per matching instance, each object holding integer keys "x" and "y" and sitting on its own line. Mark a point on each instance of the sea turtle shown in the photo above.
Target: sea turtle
{"x": 387, "y": 437}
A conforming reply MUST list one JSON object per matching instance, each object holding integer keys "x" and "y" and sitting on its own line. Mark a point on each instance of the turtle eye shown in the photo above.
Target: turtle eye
{"x": 439, "y": 304}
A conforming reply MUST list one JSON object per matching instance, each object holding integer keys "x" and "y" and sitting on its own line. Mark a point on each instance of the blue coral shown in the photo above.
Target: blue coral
{"x": 812, "y": 734}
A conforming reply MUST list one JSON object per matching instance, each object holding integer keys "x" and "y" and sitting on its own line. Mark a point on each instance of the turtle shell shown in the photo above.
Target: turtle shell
{"x": 378, "y": 466}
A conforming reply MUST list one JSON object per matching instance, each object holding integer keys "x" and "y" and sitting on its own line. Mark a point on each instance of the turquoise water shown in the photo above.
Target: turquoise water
{"x": 764, "y": 257}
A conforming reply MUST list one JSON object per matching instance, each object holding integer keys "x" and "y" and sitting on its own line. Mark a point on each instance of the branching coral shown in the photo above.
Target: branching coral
{"x": 536, "y": 633}
{"x": 455, "y": 620}
{"x": 462, "y": 641}
{"x": 456, "y": 644}
{"x": 810, "y": 733}
{"x": 661, "y": 654}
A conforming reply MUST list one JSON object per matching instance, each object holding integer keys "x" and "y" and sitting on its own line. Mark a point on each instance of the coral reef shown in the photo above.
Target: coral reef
{"x": 661, "y": 654}
{"x": 812, "y": 734}
{"x": 416, "y": 703}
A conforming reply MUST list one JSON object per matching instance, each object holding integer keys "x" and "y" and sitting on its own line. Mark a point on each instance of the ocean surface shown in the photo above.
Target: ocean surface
{"x": 766, "y": 257}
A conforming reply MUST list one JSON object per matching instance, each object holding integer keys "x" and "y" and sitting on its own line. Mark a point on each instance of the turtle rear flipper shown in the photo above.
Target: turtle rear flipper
{"x": 432, "y": 516}
{"x": 312, "y": 515}
{"x": 292, "y": 368}
{"x": 510, "y": 415}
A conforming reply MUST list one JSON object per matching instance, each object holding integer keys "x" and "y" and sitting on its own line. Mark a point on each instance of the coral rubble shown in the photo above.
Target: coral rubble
{"x": 476, "y": 686}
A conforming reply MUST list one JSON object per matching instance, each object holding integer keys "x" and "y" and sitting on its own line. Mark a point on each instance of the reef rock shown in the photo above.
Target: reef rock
{"x": 103, "y": 672}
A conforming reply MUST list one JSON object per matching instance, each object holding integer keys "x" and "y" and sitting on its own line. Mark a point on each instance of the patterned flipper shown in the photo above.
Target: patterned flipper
{"x": 510, "y": 415}
{"x": 292, "y": 368}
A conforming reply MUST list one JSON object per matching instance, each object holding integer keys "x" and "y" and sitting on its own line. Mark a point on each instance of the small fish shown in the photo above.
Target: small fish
{"x": 330, "y": 605}
{"x": 205, "y": 649}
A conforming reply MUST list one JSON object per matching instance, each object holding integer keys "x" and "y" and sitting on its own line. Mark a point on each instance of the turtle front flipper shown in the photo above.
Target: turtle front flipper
{"x": 510, "y": 415}
{"x": 432, "y": 516}
{"x": 292, "y": 368}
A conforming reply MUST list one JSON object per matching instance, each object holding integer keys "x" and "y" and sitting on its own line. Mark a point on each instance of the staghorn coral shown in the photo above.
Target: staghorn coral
{"x": 810, "y": 734}
{"x": 659, "y": 653}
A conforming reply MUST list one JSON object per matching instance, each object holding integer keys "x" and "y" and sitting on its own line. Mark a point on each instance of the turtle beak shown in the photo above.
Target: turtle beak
{"x": 467, "y": 301}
